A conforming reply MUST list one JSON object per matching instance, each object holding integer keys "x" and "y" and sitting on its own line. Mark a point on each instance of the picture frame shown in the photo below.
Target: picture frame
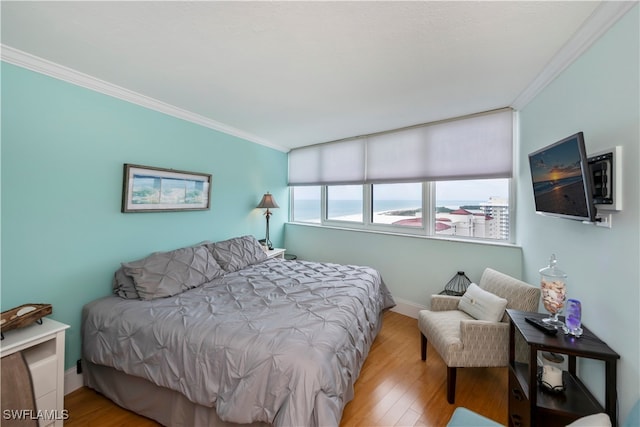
{"x": 152, "y": 189}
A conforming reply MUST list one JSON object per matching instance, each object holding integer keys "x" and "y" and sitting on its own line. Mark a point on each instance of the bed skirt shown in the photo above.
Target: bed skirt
{"x": 160, "y": 404}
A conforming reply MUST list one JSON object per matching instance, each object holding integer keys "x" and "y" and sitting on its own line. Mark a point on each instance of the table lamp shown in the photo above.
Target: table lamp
{"x": 267, "y": 203}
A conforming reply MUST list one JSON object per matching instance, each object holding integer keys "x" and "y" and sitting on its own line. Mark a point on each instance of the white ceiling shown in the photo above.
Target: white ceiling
{"x": 292, "y": 73}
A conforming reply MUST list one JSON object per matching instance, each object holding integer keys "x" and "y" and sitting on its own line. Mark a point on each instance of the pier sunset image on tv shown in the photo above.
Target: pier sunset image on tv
{"x": 562, "y": 181}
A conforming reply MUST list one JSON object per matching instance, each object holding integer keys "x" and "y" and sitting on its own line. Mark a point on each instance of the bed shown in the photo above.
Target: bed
{"x": 217, "y": 334}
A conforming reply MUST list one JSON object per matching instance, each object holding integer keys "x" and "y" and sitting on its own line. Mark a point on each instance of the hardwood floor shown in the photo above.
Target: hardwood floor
{"x": 395, "y": 388}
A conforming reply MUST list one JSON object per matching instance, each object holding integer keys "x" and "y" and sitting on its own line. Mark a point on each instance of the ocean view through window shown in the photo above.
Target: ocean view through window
{"x": 306, "y": 204}
{"x": 345, "y": 203}
{"x": 397, "y": 204}
{"x": 467, "y": 208}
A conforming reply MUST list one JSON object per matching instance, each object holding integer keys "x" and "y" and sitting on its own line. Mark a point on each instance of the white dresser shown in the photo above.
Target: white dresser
{"x": 43, "y": 349}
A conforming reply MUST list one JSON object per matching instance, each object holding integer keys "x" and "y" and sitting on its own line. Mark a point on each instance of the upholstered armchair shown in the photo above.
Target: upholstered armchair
{"x": 464, "y": 341}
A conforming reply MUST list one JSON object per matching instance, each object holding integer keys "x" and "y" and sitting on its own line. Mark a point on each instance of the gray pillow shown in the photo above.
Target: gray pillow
{"x": 237, "y": 253}
{"x": 123, "y": 285}
{"x": 164, "y": 274}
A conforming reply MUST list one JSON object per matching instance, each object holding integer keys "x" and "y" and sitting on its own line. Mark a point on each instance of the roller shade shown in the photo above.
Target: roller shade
{"x": 473, "y": 147}
{"x": 340, "y": 162}
{"x": 396, "y": 156}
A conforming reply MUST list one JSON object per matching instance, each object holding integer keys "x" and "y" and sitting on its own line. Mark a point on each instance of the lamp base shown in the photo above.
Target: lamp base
{"x": 266, "y": 243}
{"x": 267, "y": 240}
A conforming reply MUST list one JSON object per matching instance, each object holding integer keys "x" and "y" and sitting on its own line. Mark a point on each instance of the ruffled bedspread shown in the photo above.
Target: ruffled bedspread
{"x": 280, "y": 341}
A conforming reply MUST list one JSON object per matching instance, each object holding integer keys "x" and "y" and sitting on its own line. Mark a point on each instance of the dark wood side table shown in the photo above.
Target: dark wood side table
{"x": 529, "y": 405}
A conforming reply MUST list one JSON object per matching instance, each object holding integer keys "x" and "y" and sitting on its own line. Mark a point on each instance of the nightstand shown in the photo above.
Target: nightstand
{"x": 43, "y": 349}
{"x": 529, "y": 404}
{"x": 275, "y": 253}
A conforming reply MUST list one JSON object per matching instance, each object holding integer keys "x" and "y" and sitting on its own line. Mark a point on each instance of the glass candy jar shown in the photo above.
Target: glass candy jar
{"x": 554, "y": 291}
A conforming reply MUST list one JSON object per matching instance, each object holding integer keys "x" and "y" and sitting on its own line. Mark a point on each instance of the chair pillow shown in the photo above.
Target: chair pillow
{"x": 237, "y": 253}
{"x": 482, "y": 305}
{"x": 164, "y": 274}
{"x": 595, "y": 420}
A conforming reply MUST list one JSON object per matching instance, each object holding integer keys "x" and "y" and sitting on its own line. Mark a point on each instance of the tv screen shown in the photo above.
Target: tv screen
{"x": 561, "y": 178}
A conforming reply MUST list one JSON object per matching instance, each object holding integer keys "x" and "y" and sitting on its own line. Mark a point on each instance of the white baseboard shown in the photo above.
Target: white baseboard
{"x": 72, "y": 380}
{"x": 407, "y": 308}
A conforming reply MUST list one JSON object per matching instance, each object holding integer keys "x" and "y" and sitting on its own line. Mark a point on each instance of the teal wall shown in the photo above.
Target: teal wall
{"x": 598, "y": 94}
{"x": 63, "y": 150}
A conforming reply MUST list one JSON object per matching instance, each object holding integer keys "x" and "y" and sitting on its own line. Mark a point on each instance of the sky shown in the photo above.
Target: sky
{"x": 556, "y": 162}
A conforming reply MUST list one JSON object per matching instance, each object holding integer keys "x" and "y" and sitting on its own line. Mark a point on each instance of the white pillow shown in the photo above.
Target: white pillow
{"x": 482, "y": 305}
{"x": 595, "y": 420}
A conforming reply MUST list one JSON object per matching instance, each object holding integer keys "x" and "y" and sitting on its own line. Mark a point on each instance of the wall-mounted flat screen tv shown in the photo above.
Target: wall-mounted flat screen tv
{"x": 562, "y": 182}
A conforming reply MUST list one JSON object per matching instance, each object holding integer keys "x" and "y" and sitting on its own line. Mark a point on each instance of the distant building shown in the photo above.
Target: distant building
{"x": 498, "y": 209}
{"x": 490, "y": 221}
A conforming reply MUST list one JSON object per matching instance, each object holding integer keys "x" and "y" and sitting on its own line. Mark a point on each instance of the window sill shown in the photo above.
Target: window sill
{"x": 410, "y": 235}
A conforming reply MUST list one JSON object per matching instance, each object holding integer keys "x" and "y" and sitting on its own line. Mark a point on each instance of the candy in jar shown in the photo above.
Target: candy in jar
{"x": 554, "y": 290}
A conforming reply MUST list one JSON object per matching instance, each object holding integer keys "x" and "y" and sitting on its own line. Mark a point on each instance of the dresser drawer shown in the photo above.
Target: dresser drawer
{"x": 47, "y": 404}
{"x": 519, "y": 408}
{"x": 43, "y": 364}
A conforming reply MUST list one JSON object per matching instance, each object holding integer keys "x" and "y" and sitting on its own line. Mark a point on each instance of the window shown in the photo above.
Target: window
{"x": 344, "y": 203}
{"x": 472, "y": 208}
{"x": 397, "y": 204}
{"x": 306, "y": 204}
{"x": 468, "y": 209}
{"x": 446, "y": 178}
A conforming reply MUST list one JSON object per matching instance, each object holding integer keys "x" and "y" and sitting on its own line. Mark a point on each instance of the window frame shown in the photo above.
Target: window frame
{"x": 427, "y": 229}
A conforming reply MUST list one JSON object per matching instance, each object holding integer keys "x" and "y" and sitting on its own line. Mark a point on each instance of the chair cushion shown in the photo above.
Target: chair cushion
{"x": 482, "y": 305}
{"x": 442, "y": 329}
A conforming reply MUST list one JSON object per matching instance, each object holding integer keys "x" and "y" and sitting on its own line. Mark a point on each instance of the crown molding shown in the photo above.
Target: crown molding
{"x": 69, "y": 75}
{"x": 603, "y": 18}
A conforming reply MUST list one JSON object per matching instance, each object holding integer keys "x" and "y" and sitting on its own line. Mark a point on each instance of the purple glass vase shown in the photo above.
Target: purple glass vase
{"x": 573, "y": 320}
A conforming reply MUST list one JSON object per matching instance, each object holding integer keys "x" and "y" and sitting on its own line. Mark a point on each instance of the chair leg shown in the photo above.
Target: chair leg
{"x": 451, "y": 384}
{"x": 423, "y": 346}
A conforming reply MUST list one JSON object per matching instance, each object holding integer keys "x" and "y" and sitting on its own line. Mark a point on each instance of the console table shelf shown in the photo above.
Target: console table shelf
{"x": 531, "y": 406}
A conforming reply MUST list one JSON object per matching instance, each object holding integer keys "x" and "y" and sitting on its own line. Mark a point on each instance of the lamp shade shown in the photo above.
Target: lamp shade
{"x": 268, "y": 202}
